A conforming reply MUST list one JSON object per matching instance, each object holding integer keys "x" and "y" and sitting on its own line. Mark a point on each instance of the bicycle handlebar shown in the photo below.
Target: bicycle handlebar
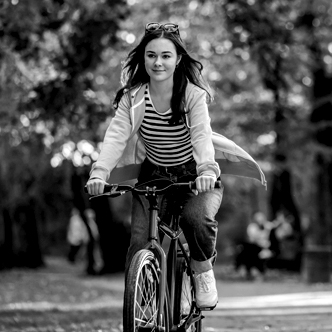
{"x": 115, "y": 190}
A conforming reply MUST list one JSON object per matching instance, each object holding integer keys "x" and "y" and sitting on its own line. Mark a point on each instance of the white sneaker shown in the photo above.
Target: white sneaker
{"x": 206, "y": 290}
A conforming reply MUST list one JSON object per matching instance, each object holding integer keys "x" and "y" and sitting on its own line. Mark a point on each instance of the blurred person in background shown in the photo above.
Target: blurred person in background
{"x": 92, "y": 245}
{"x": 254, "y": 253}
{"x": 77, "y": 235}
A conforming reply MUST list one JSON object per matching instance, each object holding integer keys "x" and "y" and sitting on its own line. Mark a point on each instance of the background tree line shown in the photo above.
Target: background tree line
{"x": 269, "y": 63}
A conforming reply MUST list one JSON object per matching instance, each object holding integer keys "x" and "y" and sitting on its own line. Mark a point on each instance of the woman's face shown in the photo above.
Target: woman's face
{"x": 160, "y": 59}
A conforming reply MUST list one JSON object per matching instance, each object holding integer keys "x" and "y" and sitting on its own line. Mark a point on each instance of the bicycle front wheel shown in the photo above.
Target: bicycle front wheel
{"x": 184, "y": 297}
{"x": 141, "y": 298}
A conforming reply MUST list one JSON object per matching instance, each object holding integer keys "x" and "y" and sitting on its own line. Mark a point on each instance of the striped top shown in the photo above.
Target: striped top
{"x": 165, "y": 144}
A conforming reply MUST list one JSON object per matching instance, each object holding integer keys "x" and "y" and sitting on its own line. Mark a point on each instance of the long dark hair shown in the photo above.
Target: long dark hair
{"x": 134, "y": 74}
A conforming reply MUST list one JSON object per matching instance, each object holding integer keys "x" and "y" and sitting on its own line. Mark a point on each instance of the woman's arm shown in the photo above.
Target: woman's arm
{"x": 115, "y": 141}
{"x": 199, "y": 123}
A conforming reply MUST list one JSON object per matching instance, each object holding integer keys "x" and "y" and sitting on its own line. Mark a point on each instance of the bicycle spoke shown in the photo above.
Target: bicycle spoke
{"x": 146, "y": 305}
{"x": 141, "y": 305}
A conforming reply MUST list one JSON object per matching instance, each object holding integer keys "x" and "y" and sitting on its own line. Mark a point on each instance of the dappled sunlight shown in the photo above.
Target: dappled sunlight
{"x": 269, "y": 64}
{"x": 81, "y": 154}
{"x": 267, "y": 139}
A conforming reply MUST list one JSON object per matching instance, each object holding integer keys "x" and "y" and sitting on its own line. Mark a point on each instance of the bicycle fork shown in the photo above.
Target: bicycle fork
{"x": 156, "y": 247}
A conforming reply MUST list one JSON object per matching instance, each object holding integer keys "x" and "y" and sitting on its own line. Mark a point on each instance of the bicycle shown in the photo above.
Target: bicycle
{"x": 159, "y": 287}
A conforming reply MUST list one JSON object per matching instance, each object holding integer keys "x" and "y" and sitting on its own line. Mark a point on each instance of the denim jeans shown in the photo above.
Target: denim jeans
{"x": 197, "y": 219}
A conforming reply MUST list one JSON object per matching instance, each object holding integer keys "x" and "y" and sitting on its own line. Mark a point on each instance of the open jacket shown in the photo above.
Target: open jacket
{"x": 123, "y": 149}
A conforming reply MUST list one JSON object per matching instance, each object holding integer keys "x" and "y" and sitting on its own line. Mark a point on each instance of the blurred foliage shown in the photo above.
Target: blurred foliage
{"x": 60, "y": 65}
{"x": 49, "y": 51}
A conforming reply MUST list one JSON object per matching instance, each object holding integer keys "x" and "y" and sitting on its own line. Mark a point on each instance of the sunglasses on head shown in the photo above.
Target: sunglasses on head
{"x": 167, "y": 27}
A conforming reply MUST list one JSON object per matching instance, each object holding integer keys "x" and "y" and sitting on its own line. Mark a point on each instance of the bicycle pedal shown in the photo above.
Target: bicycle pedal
{"x": 178, "y": 329}
{"x": 207, "y": 308}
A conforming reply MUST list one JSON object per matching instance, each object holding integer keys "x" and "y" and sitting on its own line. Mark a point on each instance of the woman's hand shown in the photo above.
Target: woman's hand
{"x": 95, "y": 186}
{"x": 204, "y": 183}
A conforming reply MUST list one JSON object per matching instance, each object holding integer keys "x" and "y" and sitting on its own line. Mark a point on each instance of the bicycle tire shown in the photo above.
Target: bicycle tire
{"x": 184, "y": 296}
{"x": 140, "y": 308}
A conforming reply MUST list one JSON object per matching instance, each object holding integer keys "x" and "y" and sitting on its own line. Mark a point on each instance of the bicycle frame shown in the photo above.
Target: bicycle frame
{"x": 173, "y": 232}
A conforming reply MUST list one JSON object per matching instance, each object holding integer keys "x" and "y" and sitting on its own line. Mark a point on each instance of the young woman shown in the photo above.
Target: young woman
{"x": 161, "y": 129}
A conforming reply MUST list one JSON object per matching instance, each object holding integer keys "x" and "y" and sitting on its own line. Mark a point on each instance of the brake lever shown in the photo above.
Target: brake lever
{"x": 112, "y": 194}
{"x": 99, "y": 195}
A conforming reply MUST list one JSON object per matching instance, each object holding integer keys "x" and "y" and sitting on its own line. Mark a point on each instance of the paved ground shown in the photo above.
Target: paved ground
{"x": 60, "y": 298}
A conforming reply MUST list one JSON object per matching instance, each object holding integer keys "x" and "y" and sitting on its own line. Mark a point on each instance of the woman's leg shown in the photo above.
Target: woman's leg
{"x": 200, "y": 227}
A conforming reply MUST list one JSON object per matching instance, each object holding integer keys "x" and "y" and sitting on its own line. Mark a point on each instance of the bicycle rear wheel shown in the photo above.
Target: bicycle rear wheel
{"x": 141, "y": 298}
{"x": 184, "y": 297}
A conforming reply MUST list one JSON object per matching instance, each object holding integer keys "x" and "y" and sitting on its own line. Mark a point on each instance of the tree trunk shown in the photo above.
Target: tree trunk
{"x": 27, "y": 251}
{"x": 6, "y": 248}
{"x": 281, "y": 198}
{"x": 318, "y": 267}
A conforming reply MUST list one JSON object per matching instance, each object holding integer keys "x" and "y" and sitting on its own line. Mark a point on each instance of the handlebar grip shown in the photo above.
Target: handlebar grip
{"x": 107, "y": 188}
{"x": 217, "y": 185}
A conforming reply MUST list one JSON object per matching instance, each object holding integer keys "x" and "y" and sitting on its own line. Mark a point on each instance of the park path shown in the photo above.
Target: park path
{"x": 279, "y": 303}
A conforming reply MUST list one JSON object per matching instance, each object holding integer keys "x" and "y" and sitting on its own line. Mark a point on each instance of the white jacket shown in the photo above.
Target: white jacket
{"x": 123, "y": 149}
